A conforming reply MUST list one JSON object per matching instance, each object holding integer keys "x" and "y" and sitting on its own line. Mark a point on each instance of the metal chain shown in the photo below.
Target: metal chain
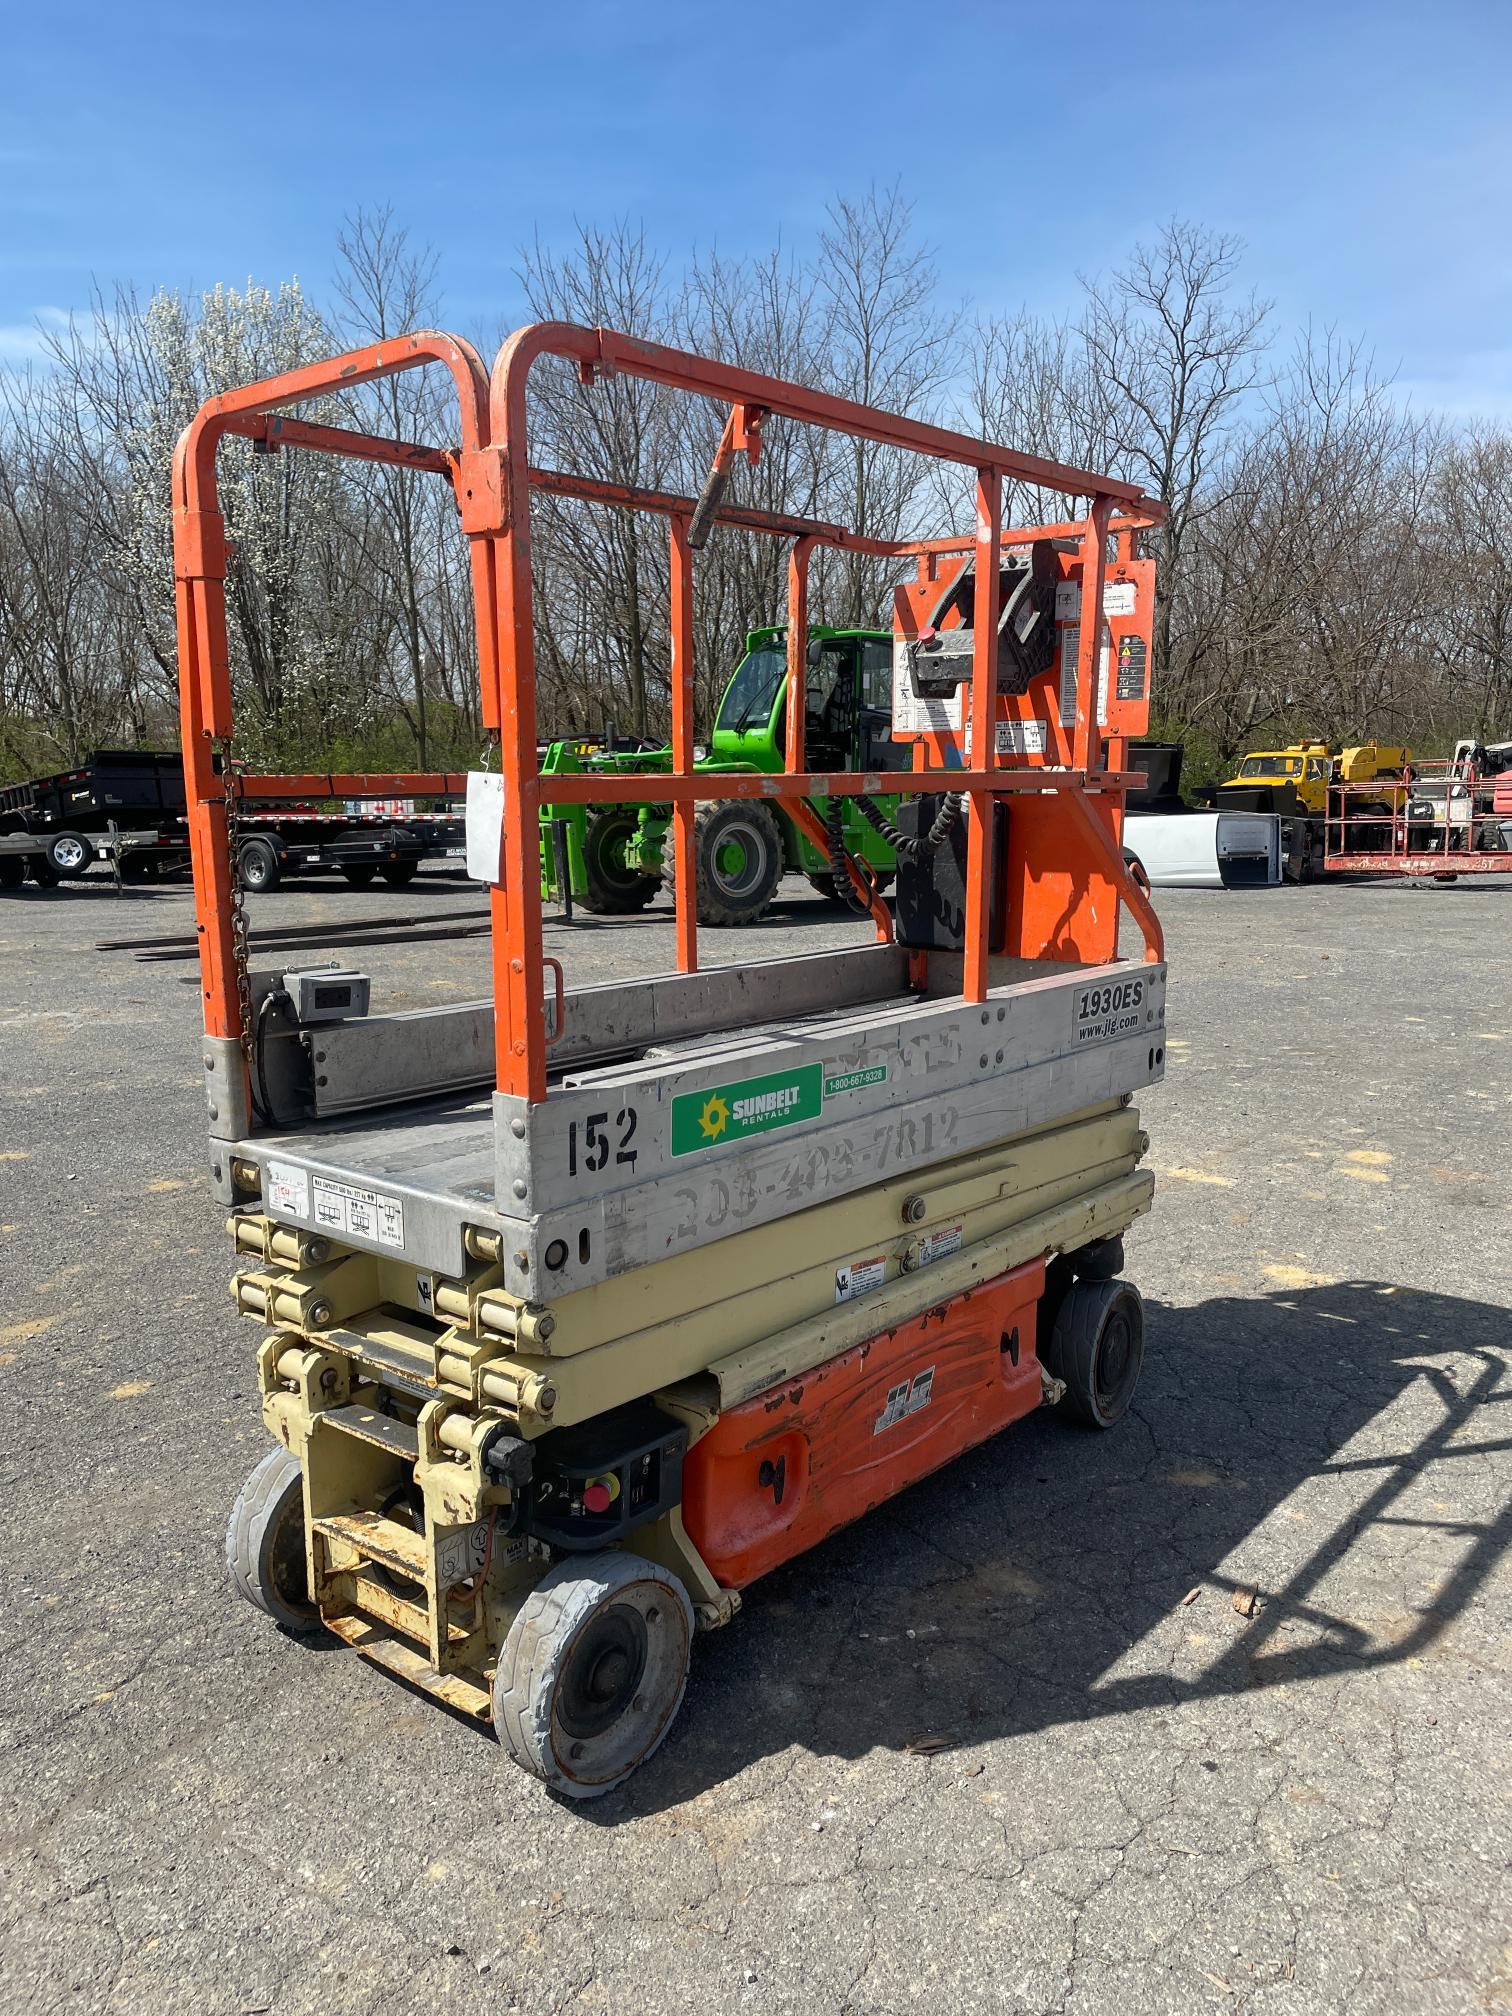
{"x": 240, "y": 951}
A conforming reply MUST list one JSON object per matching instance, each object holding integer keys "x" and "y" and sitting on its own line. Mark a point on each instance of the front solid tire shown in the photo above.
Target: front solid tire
{"x": 592, "y": 1671}
{"x": 1097, "y": 1347}
{"x": 265, "y": 1545}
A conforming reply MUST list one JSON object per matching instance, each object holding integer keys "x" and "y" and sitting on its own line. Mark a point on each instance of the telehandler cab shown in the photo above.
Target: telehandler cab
{"x": 617, "y": 856}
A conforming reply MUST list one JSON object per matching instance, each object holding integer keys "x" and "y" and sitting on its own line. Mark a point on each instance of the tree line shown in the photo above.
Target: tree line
{"x": 1334, "y": 562}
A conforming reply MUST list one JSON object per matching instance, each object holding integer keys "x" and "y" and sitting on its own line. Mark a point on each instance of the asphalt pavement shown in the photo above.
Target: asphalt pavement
{"x": 1208, "y": 1713}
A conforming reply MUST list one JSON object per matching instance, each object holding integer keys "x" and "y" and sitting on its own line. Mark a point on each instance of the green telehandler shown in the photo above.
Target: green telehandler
{"x": 616, "y": 857}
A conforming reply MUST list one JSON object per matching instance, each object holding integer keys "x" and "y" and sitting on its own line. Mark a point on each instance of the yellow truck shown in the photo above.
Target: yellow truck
{"x": 1302, "y": 767}
{"x": 1294, "y": 783}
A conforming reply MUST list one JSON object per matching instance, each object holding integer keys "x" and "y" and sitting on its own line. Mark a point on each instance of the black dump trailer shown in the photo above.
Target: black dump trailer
{"x": 127, "y": 807}
{"x": 75, "y": 813}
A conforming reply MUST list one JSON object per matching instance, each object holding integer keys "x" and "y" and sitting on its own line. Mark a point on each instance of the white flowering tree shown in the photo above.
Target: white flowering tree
{"x": 133, "y": 376}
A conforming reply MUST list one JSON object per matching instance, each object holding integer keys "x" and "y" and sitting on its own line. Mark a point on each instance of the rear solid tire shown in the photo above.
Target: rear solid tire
{"x": 592, "y": 1671}
{"x": 613, "y": 888}
{"x": 1097, "y": 1347}
{"x": 265, "y": 1545}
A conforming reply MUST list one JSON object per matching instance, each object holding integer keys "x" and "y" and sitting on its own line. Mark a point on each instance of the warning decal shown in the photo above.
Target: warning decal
{"x": 858, "y": 1277}
{"x": 939, "y": 1245}
{"x": 288, "y": 1190}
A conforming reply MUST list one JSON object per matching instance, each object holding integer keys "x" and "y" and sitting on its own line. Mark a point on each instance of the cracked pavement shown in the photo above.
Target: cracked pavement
{"x": 1146, "y": 1803}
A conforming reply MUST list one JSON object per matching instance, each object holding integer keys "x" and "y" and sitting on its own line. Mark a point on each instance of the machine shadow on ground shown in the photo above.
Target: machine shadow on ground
{"x": 1276, "y": 1446}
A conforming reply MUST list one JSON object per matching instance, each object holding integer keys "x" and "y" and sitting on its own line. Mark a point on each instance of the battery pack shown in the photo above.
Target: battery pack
{"x": 931, "y": 894}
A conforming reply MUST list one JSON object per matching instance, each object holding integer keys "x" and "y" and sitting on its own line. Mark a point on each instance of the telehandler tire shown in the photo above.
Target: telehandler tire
{"x": 360, "y": 874}
{"x": 592, "y": 1671}
{"x": 265, "y": 1545}
{"x": 738, "y": 852}
{"x": 1097, "y": 1347}
{"x": 614, "y": 887}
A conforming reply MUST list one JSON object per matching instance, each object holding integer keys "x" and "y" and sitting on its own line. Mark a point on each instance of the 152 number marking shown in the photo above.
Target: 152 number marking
{"x": 595, "y": 1145}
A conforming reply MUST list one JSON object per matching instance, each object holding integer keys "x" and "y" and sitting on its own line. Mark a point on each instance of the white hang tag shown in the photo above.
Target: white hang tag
{"x": 485, "y": 825}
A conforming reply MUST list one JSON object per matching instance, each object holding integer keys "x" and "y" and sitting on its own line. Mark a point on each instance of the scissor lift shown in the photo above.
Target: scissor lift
{"x": 586, "y": 1307}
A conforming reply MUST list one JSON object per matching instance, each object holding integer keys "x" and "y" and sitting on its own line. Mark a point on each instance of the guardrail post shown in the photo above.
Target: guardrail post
{"x": 684, "y": 812}
{"x": 982, "y": 738}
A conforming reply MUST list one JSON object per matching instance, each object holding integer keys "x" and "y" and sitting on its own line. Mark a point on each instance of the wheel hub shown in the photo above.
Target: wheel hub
{"x": 604, "y": 1672}
{"x": 737, "y": 860}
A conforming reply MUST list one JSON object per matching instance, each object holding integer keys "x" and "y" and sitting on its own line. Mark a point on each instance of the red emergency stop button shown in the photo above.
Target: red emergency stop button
{"x": 599, "y": 1493}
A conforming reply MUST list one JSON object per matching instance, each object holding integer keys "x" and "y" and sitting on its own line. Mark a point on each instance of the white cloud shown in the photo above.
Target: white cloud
{"x": 1474, "y": 386}
{"x": 25, "y": 342}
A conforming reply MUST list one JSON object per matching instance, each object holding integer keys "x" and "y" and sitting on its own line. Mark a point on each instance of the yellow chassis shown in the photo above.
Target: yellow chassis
{"x": 387, "y": 1384}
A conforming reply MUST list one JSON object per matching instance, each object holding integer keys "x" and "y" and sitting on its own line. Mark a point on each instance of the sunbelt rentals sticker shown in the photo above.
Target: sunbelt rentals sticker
{"x": 728, "y": 1113}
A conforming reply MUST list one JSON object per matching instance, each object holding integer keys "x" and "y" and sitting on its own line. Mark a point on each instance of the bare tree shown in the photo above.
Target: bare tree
{"x": 1031, "y": 384}
{"x": 1471, "y": 541}
{"x": 888, "y": 344}
{"x": 1172, "y": 356}
{"x": 61, "y": 665}
{"x": 384, "y": 287}
{"x": 1332, "y": 561}
{"x": 1308, "y": 585}
{"x": 133, "y": 377}
{"x": 616, "y": 431}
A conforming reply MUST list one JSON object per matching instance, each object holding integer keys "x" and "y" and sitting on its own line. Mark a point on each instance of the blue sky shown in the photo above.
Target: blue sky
{"x": 1363, "y": 152}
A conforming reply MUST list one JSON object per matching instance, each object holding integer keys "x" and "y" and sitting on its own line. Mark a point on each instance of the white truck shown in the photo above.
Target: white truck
{"x": 1173, "y": 846}
{"x": 1205, "y": 850}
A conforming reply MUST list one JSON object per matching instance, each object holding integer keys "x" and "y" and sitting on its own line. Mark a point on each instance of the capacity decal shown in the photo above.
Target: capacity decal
{"x": 288, "y": 1190}
{"x": 344, "y": 1207}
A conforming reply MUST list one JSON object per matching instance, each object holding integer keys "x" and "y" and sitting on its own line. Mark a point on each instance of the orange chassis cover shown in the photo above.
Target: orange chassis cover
{"x": 780, "y": 1473}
